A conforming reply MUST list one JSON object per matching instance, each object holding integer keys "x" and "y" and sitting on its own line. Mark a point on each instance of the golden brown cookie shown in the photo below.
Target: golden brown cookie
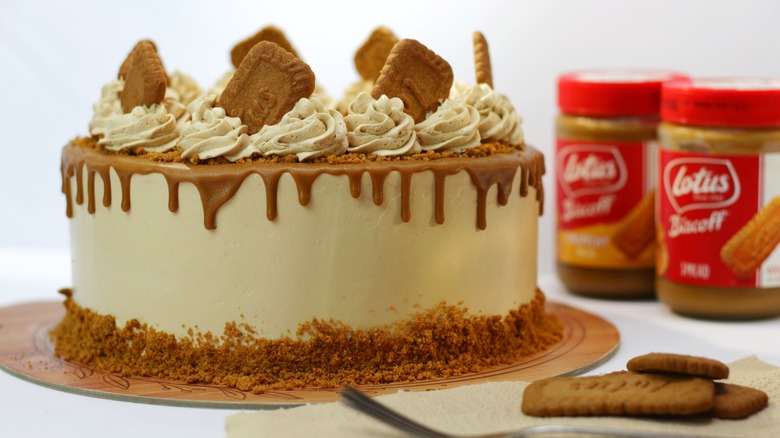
{"x": 680, "y": 364}
{"x": 482, "y": 64}
{"x": 637, "y": 229}
{"x": 267, "y": 84}
{"x": 619, "y": 393}
{"x": 733, "y": 402}
{"x": 416, "y": 75}
{"x": 752, "y": 244}
{"x": 371, "y": 56}
{"x": 145, "y": 82}
{"x": 268, "y": 33}
{"x": 126, "y": 64}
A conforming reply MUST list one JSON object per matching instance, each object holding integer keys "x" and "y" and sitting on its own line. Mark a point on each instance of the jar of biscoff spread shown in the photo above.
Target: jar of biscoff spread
{"x": 606, "y": 136}
{"x": 719, "y": 198}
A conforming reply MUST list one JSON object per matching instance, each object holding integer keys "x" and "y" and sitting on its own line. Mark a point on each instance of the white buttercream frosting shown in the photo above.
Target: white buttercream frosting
{"x": 322, "y": 94}
{"x": 212, "y": 133}
{"x": 152, "y": 129}
{"x": 351, "y": 93}
{"x": 308, "y": 131}
{"x": 452, "y": 127}
{"x": 267, "y": 270}
{"x": 221, "y": 83}
{"x": 107, "y": 107}
{"x": 380, "y": 127}
{"x": 176, "y": 109}
{"x": 187, "y": 90}
{"x": 499, "y": 120}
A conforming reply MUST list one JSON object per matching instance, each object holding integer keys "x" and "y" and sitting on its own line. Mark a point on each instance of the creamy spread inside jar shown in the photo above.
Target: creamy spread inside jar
{"x": 606, "y": 136}
{"x": 719, "y": 198}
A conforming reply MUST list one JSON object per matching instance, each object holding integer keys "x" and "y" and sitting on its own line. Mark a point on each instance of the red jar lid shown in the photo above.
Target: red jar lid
{"x": 726, "y": 102}
{"x": 612, "y": 92}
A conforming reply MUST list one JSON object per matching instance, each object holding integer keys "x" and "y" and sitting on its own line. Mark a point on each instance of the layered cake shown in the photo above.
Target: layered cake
{"x": 256, "y": 237}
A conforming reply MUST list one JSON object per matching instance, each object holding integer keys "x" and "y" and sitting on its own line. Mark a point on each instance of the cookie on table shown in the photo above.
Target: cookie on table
{"x": 733, "y": 402}
{"x": 679, "y": 364}
{"x": 617, "y": 394}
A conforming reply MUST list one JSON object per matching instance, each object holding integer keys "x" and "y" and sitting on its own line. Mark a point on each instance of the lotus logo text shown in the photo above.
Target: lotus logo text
{"x": 591, "y": 170}
{"x": 696, "y": 183}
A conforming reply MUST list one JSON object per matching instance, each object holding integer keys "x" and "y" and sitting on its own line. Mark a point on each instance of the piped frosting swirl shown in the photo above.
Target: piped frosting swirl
{"x": 499, "y": 120}
{"x": 212, "y": 133}
{"x": 107, "y": 107}
{"x": 185, "y": 87}
{"x": 452, "y": 127}
{"x": 308, "y": 131}
{"x": 351, "y": 93}
{"x": 380, "y": 127}
{"x": 151, "y": 129}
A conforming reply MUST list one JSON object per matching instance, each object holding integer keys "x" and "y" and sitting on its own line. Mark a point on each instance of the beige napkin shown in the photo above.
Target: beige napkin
{"x": 495, "y": 407}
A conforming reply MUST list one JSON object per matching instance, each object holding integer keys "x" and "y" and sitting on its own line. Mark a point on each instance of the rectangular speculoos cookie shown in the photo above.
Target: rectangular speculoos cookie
{"x": 752, "y": 244}
{"x": 734, "y": 402}
{"x": 619, "y": 393}
{"x": 693, "y": 366}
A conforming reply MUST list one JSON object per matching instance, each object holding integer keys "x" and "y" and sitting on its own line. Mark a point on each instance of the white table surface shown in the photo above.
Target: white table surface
{"x": 27, "y": 409}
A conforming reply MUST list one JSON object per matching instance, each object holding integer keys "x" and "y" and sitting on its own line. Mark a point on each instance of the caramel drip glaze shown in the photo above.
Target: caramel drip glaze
{"x": 218, "y": 183}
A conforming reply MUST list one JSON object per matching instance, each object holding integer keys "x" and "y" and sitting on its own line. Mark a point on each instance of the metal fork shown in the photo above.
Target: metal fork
{"x": 365, "y": 404}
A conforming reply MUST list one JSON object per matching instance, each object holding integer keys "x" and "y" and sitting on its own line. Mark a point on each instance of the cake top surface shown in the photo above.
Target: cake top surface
{"x": 406, "y": 105}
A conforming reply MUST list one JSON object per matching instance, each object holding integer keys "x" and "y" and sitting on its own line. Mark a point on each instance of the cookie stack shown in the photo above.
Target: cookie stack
{"x": 655, "y": 384}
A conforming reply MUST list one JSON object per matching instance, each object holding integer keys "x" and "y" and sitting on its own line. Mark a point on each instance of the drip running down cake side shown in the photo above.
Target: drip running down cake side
{"x": 280, "y": 238}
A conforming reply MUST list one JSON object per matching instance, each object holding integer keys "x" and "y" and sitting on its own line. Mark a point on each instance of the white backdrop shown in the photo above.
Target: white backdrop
{"x": 55, "y": 56}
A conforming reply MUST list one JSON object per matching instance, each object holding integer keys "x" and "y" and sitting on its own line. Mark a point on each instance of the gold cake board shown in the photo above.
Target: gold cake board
{"x": 27, "y": 352}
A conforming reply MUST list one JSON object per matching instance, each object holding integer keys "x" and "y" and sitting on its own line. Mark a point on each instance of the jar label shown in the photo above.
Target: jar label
{"x": 605, "y": 203}
{"x": 719, "y": 219}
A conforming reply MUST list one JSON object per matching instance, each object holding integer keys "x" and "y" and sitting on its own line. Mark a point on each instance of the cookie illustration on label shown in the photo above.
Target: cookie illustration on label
{"x": 661, "y": 253}
{"x": 482, "y": 64}
{"x": 417, "y": 76}
{"x": 267, "y": 84}
{"x": 371, "y": 56}
{"x": 637, "y": 230}
{"x": 751, "y": 245}
{"x": 268, "y": 33}
{"x": 145, "y": 81}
